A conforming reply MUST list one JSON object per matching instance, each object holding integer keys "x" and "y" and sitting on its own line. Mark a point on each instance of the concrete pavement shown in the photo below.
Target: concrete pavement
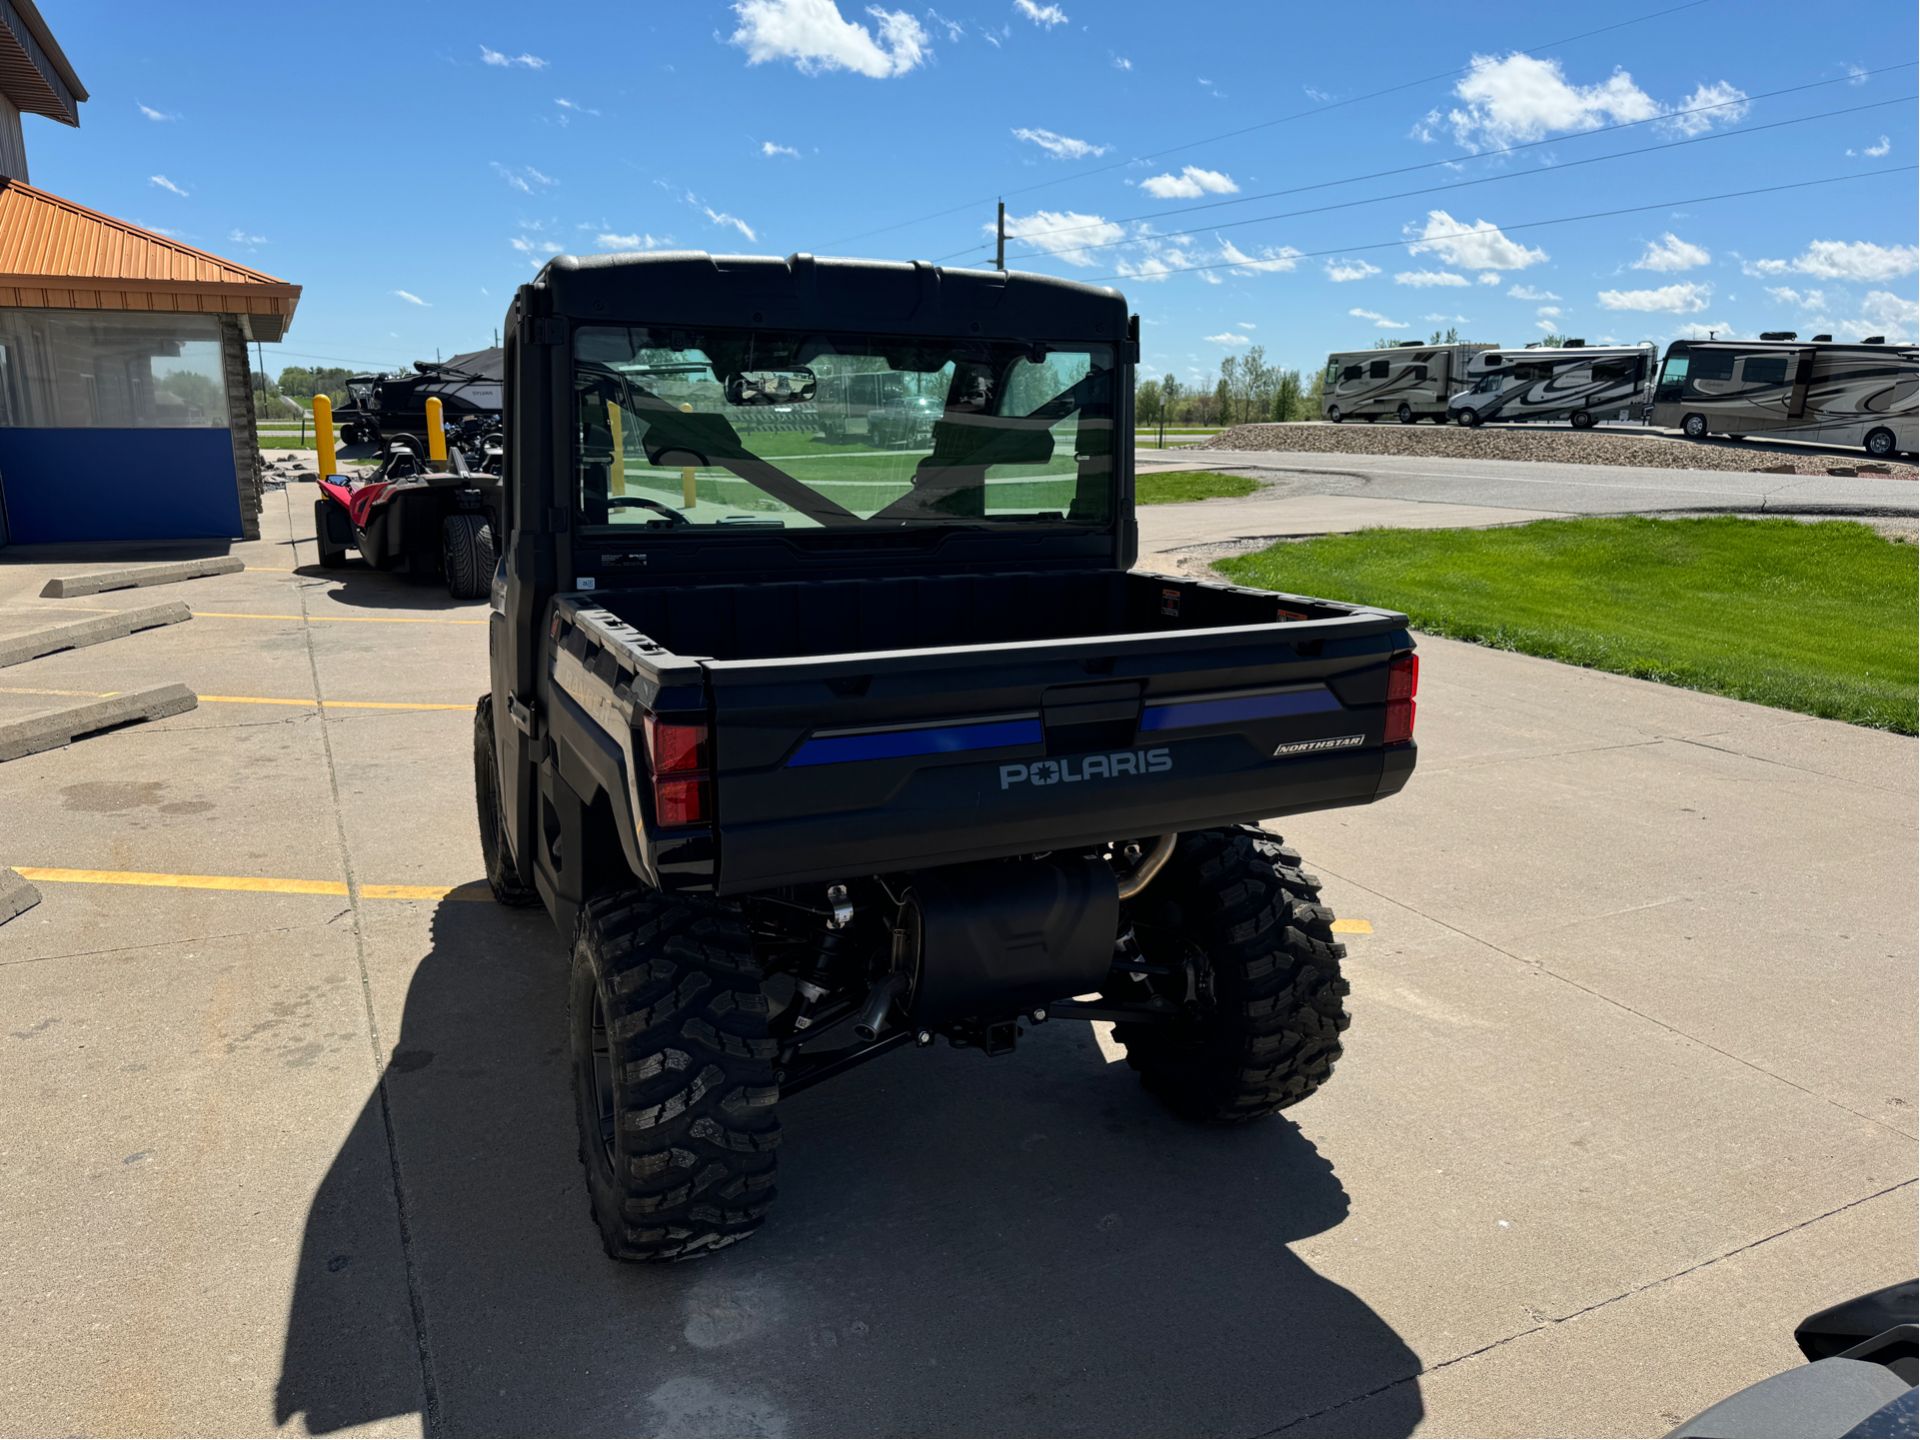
{"x": 1630, "y": 1088}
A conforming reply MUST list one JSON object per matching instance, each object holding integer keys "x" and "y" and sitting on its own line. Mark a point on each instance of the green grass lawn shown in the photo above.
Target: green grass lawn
{"x": 1172, "y": 487}
{"x": 1818, "y": 618}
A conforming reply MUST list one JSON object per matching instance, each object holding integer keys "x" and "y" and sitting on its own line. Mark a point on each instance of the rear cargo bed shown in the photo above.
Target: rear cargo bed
{"x": 885, "y": 725}
{"x": 789, "y": 619}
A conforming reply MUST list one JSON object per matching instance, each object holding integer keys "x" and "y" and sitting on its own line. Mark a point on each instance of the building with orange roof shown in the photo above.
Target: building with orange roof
{"x": 126, "y": 410}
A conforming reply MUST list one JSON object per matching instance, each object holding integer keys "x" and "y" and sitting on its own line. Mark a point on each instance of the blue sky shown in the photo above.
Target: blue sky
{"x": 410, "y": 163}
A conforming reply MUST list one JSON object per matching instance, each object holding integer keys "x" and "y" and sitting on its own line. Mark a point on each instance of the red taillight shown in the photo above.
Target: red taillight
{"x": 680, "y": 802}
{"x": 1403, "y": 683}
{"x": 678, "y": 759}
{"x": 675, "y": 749}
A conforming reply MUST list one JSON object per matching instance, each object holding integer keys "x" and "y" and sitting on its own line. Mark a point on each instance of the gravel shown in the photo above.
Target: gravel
{"x": 1565, "y": 447}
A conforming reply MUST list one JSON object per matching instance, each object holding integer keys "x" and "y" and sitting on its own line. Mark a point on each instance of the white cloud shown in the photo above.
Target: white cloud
{"x": 502, "y": 61}
{"x": 1340, "y": 271}
{"x": 575, "y": 106}
{"x": 1696, "y": 330}
{"x": 1270, "y": 258}
{"x": 1546, "y": 312}
{"x": 1426, "y": 278}
{"x": 167, "y": 185}
{"x": 1319, "y": 97}
{"x": 1191, "y": 183}
{"x": 1047, "y": 16}
{"x": 722, "y": 219}
{"x": 1427, "y": 128}
{"x": 237, "y": 236}
{"x": 1376, "y": 318}
{"x": 1520, "y": 98}
{"x": 1246, "y": 325}
{"x": 1480, "y": 246}
{"x": 1872, "y": 151}
{"x": 1528, "y": 292}
{"x": 956, "y": 31}
{"x": 1858, "y": 75}
{"x": 1729, "y": 102}
{"x": 1489, "y": 277}
{"x": 153, "y": 114}
{"x": 526, "y": 179}
{"x": 1227, "y": 337}
{"x": 534, "y": 247}
{"x": 412, "y": 299}
{"x": 769, "y": 149}
{"x": 1886, "y": 314}
{"x": 1802, "y": 299}
{"x": 1062, "y": 233}
{"x": 610, "y": 240}
{"x": 1670, "y": 252}
{"x": 1686, "y": 298}
{"x": 1061, "y": 147}
{"x": 816, "y": 37}
{"x": 1444, "y": 319}
{"x": 1859, "y": 260}
{"x": 1121, "y": 62}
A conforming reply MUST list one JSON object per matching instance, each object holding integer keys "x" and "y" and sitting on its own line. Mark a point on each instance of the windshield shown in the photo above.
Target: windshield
{"x": 1489, "y": 384}
{"x": 677, "y": 428}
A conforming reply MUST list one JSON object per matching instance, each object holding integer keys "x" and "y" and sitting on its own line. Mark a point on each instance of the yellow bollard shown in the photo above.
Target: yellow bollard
{"x": 617, "y": 475}
{"x": 688, "y": 488}
{"x": 436, "y": 431}
{"x": 323, "y": 436}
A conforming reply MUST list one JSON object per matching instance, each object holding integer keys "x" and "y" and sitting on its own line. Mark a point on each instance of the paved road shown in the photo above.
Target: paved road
{"x": 1539, "y": 487}
{"x": 1630, "y": 1089}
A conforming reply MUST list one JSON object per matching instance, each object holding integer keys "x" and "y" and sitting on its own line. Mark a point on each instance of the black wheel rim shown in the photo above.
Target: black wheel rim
{"x": 602, "y": 1060}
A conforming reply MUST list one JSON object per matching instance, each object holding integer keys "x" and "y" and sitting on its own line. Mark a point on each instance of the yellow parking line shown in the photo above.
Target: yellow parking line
{"x": 333, "y": 619}
{"x": 333, "y": 704}
{"x": 251, "y": 884}
{"x": 1353, "y": 927}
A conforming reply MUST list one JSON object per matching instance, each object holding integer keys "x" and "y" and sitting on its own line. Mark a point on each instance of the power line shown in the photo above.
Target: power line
{"x": 1262, "y": 125}
{"x": 1454, "y": 160}
{"x": 1527, "y": 224}
{"x": 1460, "y": 184}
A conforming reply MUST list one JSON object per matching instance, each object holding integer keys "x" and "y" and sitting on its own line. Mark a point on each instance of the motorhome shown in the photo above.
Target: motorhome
{"x": 1410, "y": 381}
{"x": 1574, "y": 382}
{"x": 1791, "y": 389}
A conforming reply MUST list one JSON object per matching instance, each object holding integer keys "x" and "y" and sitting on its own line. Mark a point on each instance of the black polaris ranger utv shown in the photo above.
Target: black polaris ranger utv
{"x": 814, "y": 751}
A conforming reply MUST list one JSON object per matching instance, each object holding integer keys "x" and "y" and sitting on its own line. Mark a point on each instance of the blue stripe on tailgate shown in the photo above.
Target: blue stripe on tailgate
{"x": 1226, "y": 709}
{"x": 931, "y": 740}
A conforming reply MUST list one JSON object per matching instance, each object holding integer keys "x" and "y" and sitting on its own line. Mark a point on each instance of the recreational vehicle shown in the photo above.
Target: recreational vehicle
{"x": 1576, "y": 382}
{"x": 1791, "y": 389}
{"x": 1411, "y": 381}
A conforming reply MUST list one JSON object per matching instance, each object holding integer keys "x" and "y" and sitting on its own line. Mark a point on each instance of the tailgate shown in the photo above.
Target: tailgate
{"x": 832, "y": 767}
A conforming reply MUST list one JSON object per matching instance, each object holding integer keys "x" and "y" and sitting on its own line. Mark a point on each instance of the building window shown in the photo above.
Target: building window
{"x": 86, "y": 370}
{"x": 1416, "y": 373}
{"x": 1353, "y": 372}
{"x": 1377, "y": 370}
{"x": 1764, "y": 370}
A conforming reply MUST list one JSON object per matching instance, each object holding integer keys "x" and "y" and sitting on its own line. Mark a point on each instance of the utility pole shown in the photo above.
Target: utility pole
{"x": 1000, "y": 240}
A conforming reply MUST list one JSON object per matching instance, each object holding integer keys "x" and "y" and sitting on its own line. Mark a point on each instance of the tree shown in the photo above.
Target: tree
{"x": 1223, "y": 392}
{"x": 1148, "y": 405}
{"x": 1287, "y": 396}
{"x": 1553, "y": 340}
{"x": 1451, "y": 337}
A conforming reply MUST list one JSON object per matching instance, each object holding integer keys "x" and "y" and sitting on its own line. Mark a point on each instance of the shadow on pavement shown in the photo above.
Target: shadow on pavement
{"x": 961, "y": 1246}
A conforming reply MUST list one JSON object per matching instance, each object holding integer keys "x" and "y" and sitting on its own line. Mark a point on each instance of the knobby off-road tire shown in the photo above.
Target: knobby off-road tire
{"x": 332, "y": 556}
{"x": 1270, "y": 1034}
{"x": 502, "y": 878}
{"x": 673, "y": 1071}
{"x": 466, "y": 546}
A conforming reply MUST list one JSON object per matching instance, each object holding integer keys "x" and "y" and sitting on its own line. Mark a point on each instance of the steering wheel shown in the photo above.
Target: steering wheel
{"x": 616, "y": 502}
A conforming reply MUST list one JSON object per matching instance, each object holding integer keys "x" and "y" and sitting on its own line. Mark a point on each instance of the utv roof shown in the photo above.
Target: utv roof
{"x": 889, "y": 297}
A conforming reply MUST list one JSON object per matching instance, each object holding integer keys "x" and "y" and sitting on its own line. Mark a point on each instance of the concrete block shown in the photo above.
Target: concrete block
{"x": 51, "y": 729}
{"x": 17, "y": 896}
{"x": 72, "y": 634}
{"x": 66, "y": 587}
